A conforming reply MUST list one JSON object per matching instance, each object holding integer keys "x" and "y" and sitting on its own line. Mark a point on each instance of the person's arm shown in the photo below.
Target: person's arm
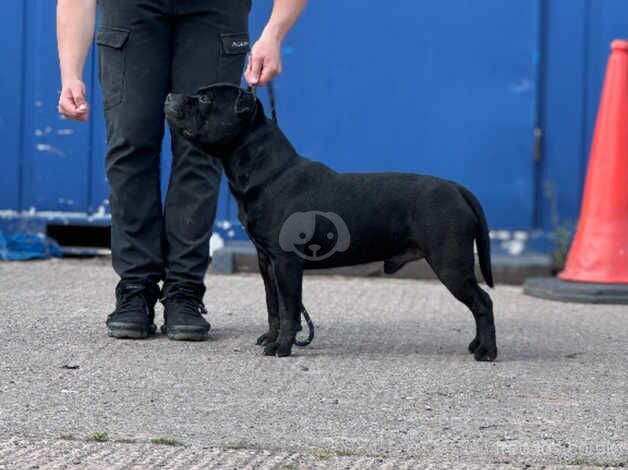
{"x": 76, "y": 20}
{"x": 265, "y": 58}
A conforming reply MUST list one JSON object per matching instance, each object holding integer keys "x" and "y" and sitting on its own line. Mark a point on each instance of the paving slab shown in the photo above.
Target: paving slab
{"x": 386, "y": 382}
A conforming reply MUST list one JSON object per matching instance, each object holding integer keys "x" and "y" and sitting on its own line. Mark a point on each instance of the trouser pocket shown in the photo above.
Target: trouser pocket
{"x": 112, "y": 63}
{"x": 232, "y": 52}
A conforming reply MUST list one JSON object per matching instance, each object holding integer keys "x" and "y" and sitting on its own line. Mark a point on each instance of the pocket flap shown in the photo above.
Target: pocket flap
{"x": 235, "y": 43}
{"x": 112, "y": 37}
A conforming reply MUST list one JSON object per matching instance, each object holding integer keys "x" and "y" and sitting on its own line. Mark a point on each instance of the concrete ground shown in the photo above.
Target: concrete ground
{"x": 387, "y": 382}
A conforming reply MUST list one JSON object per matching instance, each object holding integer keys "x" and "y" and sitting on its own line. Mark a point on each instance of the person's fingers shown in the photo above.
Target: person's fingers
{"x": 67, "y": 106}
{"x": 247, "y": 70}
{"x": 72, "y": 103}
{"x": 79, "y": 98}
{"x": 78, "y": 92}
{"x": 270, "y": 71}
{"x": 253, "y": 73}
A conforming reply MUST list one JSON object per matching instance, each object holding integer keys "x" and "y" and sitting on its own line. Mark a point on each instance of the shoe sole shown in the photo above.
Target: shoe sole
{"x": 185, "y": 333}
{"x": 130, "y": 331}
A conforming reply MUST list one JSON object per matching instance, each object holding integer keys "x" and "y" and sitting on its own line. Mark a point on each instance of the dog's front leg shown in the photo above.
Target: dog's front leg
{"x": 288, "y": 276}
{"x": 272, "y": 304}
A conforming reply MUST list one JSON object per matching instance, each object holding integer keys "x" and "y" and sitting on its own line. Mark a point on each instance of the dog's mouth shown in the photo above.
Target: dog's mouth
{"x": 175, "y": 112}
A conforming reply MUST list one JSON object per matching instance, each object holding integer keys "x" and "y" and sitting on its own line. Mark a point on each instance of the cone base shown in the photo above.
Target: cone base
{"x": 552, "y": 288}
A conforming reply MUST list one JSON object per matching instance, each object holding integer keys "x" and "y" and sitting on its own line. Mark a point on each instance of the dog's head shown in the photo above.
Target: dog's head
{"x": 212, "y": 118}
{"x": 314, "y": 235}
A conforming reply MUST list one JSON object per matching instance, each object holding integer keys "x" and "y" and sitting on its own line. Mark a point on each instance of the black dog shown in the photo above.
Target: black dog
{"x": 300, "y": 214}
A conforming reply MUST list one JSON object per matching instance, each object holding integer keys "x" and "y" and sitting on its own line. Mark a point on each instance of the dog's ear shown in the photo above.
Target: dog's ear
{"x": 245, "y": 102}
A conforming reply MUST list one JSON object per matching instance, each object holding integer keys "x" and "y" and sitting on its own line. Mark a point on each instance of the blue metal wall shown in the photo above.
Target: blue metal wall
{"x": 452, "y": 88}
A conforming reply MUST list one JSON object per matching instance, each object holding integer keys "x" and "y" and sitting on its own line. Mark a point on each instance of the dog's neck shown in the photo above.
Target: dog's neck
{"x": 260, "y": 156}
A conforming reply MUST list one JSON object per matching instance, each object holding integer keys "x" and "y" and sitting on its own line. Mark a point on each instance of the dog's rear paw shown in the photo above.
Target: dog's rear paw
{"x": 267, "y": 338}
{"x": 483, "y": 353}
{"x": 473, "y": 345}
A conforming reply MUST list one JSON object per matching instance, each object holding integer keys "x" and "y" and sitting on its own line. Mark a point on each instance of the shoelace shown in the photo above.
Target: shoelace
{"x": 131, "y": 298}
{"x": 193, "y": 306}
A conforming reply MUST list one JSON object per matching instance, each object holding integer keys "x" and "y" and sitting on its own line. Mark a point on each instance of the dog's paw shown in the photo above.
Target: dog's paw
{"x": 484, "y": 353}
{"x": 473, "y": 345}
{"x": 285, "y": 347}
{"x": 278, "y": 348}
{"x": 271, "y": 348}
{"x": 267, "y": 338}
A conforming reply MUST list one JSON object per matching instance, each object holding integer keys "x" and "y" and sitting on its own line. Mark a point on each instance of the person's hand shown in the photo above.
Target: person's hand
{"x": 264, "y": 61}
{"x": 72, "y": 103}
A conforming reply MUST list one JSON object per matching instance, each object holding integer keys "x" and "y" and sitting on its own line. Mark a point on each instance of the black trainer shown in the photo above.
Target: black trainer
{"x": 135, "y": 310}
{"x": 183, "y": 315}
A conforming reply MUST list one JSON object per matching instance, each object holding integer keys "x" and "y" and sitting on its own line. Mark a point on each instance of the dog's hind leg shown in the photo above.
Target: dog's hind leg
{"x": 288, "y": 276}
{"x": 454, "y": 267}
{"x": 272, "y": 302}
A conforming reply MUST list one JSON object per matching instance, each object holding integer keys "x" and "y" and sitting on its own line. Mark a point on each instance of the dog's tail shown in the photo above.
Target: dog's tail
{"x": 482, "y": 238}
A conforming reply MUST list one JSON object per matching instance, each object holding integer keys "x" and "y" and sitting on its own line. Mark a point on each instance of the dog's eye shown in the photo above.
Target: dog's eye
{"x": 204, "y": 99}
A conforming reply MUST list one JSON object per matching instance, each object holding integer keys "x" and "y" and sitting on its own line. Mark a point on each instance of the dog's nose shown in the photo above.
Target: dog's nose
{"x": 314, "y": 247}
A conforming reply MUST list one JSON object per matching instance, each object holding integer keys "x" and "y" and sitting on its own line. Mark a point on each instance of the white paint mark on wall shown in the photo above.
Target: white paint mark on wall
{"x": 101, "y": 213}
{"x": 499, "y": 234}
{"x": 65, "y": 131}
{"x": 49, "y": 149}
{"x": 39, "y": 103}
{"x": 68, "y": 202}
{"x": 223, "y": 224}
{"x": 513, "y": 242}
{"x": 215, "y": 243}
{"x": 520, "y": 235}
{"x": 514, "y": 247}
{"x": 66, "y": 216}
{"x": 8, "y": 214}
{"x": 46, "y": 131}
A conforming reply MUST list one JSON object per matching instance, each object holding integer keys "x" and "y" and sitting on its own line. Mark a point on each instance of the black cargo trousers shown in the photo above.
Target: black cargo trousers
{"x": 146, "y": 49}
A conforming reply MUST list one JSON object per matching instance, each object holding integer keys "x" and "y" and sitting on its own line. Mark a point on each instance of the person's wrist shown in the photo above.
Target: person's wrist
{"x": 69, "y": 79}
{"x": 273, "y": 33}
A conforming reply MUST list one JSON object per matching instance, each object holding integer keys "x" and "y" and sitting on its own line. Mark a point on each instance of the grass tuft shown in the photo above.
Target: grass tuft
{"x": 166, "y": 441}
{"x": 237, "y": 446}
{"x": 97, "y": 437}
{"x": 573, "y": 355}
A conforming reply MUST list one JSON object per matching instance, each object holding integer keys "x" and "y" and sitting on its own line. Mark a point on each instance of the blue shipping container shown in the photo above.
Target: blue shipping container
{"x": 500, "y": 96}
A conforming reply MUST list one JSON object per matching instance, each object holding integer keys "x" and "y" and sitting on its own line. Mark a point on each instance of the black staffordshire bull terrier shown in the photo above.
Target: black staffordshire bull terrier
{"x": 301, "y": 214}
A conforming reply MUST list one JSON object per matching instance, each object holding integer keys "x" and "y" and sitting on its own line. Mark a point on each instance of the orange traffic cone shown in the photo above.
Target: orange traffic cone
{"x": 599, "y": 252}
{"x": 597, "y": 265}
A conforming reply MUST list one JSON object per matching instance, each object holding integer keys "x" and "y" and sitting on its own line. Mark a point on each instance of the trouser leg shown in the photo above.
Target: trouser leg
{"x": 134, "y": 40}
{"x": 210, "y": 41}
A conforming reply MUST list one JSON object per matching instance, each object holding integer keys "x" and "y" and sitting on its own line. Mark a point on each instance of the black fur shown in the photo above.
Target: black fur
{"x": 294, "y": 208}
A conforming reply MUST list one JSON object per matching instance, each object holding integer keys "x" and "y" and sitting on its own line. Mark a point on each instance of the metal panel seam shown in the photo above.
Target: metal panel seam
{"x": 22, "y": 111}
